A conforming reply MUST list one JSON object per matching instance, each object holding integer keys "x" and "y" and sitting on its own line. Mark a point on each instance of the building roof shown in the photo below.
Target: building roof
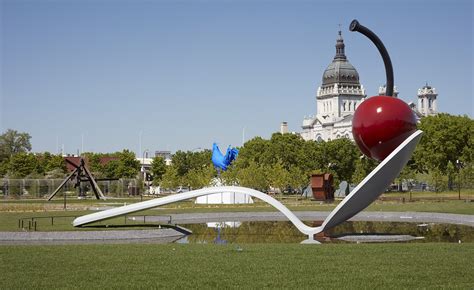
{"x": 340, "y": 70}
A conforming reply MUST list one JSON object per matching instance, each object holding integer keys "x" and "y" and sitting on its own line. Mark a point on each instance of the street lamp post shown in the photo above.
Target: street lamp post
{"x": 143, "y": 166}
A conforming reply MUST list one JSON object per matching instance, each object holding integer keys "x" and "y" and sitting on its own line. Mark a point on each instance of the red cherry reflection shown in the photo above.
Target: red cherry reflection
{"x": 380, "y": 124}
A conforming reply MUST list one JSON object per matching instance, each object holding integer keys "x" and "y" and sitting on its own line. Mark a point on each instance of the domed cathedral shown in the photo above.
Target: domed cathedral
{"x": 337, "y": 98}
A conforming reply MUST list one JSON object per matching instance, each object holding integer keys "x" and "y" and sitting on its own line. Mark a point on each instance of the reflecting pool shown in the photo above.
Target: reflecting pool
{"x": 235, "y": 232}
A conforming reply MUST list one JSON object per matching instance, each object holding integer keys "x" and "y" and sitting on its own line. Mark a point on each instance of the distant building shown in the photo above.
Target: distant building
{"x": 383, "y": 90}
{"x": 284, "y": 127}
{"x": 341, "y": 93}
{"x": 166, "y": 155}
{"x": 427, "y": 103}
{"x": 336, "y": 100}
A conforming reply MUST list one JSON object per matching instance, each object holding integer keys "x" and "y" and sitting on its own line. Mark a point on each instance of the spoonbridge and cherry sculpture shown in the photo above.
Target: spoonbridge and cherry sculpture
{"x": 384, "y": 128}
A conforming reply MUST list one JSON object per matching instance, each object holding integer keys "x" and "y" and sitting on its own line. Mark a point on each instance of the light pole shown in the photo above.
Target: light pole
{"x": 143, "y": 166}
{"x": 459, "y": 165}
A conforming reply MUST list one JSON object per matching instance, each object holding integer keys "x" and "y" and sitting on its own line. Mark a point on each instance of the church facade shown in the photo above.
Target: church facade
{"x": 341, "y": 93}
{"x": 336, "y": 99}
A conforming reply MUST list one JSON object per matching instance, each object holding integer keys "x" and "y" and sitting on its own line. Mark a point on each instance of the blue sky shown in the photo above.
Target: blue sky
{"x": 183, "y": 74}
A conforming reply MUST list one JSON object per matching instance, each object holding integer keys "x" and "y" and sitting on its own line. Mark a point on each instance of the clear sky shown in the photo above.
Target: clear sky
{"x": 99, "y": 75}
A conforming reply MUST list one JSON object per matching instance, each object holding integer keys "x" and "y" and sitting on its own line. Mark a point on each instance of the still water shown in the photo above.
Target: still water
{"x": 285, "y": 232}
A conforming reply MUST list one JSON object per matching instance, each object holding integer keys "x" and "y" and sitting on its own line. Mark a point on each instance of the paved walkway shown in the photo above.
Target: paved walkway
{"x": 164, "y": 235}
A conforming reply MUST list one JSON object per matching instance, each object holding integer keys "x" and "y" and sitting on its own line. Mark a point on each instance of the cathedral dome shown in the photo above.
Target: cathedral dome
{"x": 340, "y": 70}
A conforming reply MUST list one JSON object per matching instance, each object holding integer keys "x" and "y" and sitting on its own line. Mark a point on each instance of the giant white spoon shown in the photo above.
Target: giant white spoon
{"x": 360, "y": 197}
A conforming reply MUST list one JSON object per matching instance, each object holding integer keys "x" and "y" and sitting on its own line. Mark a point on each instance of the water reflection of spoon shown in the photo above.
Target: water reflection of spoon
{"x": 362, "y": 196}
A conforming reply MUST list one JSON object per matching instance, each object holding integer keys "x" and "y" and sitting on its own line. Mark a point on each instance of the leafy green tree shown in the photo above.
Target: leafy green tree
{"x": 311, "y": 157}
{"x": 94, "y": 163}
{"x": 446, "y": 138}
{"x": 23, "y": 164}
{"x": 129, "y": 166}
{"x": 125, "y": 166}
{"x": 285, "y": 148}
{"x": 230, "y": 176}
{"x": 278, "y": 176}
{"x": 438, "y": 180}
{"x": 197, "y": 160}
{"x": 340, "y": 156}
{"x": 254, "y": 176}
{"x": 171, "y": 178}
{"x": 186, "y": 161}
{"x": 255, "y": 150}
{"x": 4, "y": 167}
{"x": 13, "y": 142}
{"x": 158, "y": 169}
{"x": 450, "y": 171}
{"x": 180, "y": 161}
{"x": 199, "y": 177}
{"x": 49, "y": 162}
{"x": 298, "y": 178}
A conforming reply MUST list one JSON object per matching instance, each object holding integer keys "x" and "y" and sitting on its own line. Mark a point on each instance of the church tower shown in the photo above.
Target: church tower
{"x": 340, "y": 92}
{"x": 336, "y": 99}
{"x": 427, "y": 103}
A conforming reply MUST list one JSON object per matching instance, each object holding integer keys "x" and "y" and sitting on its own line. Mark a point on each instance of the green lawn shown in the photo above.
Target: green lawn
{"x": 254, "y": 266}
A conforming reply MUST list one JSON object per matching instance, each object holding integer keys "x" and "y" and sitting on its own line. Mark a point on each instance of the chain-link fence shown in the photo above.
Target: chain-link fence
{"x": 40, "y": 188}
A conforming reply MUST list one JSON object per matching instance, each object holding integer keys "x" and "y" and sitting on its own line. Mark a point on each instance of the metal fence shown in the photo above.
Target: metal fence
{"x": 39, "y": 188}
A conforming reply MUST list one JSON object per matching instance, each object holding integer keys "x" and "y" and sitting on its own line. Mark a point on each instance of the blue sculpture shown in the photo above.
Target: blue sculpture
{"x": 221, "y": 162}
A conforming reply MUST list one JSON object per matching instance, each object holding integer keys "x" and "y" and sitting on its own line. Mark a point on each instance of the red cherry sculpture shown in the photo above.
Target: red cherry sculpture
{"x": 380, "y": 124}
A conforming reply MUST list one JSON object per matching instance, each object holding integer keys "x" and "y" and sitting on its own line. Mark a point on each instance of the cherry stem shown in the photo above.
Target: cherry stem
{"x": 356, "y": 26}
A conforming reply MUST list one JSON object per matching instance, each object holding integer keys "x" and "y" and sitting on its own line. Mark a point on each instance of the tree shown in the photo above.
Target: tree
{"x": 23, "y": 164}
{"x": 125, "y": 166}
{"x": 363, "y": 166}
{"x": 129, "y": 166}
{"x": 255, "y": 150}
{"x": 287, "y": 149}
{"x": 186, "y": 161}
{"x": 3, "y": 167}
{"x": 254, "y": 176}
{"x": 49, "y": 162}
{"x": 278, "y": 176}
{"x": 298, "y": 178}
{"x": 158, "y": 169}
{"x": 198, "y": 178}
{"x": 94, "y": 163}
{"x": 13, "y": 142}
{"x": 340, "y": 156}
{"x": 171, "y": 179}
{"x": 446, "y": 138}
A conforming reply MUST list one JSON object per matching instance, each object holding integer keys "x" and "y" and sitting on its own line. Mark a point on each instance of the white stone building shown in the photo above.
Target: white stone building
{"x": 341, "y": 93}
{"x": 337, "y": 98}
{"x": 427, "y": 103}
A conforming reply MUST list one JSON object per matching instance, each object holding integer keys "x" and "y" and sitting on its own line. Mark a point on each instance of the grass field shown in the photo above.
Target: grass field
{"x": 335, "y": 266}
{"x": 254, "y": 266}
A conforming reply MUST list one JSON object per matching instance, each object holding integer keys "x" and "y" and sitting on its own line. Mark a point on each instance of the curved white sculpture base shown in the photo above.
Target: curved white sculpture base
{"x": 363, "y": 195}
